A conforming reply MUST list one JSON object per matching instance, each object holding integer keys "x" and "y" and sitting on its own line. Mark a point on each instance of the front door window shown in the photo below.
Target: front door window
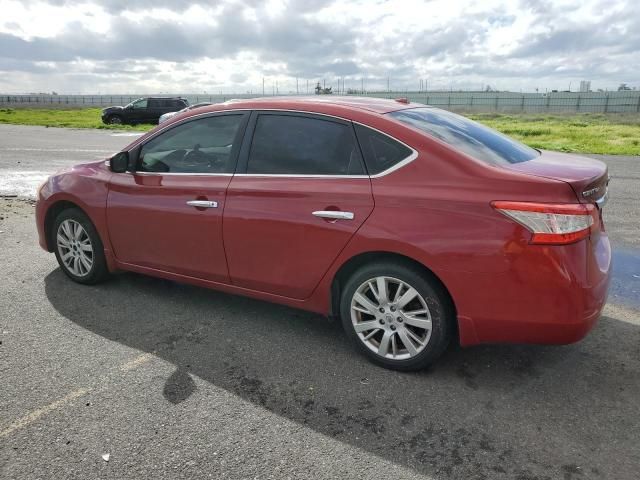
{"x": 199, "y": 146}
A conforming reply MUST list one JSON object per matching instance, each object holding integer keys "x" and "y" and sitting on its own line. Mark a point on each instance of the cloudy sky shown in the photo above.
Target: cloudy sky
{"x": 172, "y": 46}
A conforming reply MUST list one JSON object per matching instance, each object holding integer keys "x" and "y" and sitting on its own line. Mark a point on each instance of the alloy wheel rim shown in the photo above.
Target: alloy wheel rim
{"x": 391, "y": 318}
{"x": 74, "y": 247}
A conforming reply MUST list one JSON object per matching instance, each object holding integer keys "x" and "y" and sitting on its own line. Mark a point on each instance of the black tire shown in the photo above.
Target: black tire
{"x": 437, "y": 300}
{"x": 98, "y": 271}
{"x": 114, "y": 120}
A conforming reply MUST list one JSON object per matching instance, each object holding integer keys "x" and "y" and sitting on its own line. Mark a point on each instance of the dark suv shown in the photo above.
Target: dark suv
{"x": 143, "y": 110}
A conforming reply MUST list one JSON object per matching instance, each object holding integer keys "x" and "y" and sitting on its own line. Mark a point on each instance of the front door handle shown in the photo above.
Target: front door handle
{"x": 202, "y": 204}
{"x": 334, "y": 214}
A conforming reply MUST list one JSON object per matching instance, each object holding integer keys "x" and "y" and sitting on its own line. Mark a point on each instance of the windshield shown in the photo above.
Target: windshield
{"x": 475, "y": 140}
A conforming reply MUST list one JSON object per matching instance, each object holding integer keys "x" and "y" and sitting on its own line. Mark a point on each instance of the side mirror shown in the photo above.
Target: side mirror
{"x": 119, "y": 162}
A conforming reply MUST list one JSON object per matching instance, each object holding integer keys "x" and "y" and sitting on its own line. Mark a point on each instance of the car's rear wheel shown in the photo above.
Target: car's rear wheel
{"x": 397, "y": 315}
{"x": 114, "y": 120}
{"x": 78, "y": 247}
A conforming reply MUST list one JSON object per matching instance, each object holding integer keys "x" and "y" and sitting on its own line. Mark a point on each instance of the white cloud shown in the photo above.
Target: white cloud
{"x": 122, "y": 46}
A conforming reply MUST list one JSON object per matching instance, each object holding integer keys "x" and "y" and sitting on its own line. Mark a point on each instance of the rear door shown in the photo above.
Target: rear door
{"x": 177, "y": 105}
{"x": 299, "y": 195}
{"x": 169, "y": 105}
{"x": 138, "y": 111}
{"x": 154, "y": 110}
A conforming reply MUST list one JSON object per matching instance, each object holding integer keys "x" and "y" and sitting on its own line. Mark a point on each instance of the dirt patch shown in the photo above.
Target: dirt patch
{"x": 11, "y": 207}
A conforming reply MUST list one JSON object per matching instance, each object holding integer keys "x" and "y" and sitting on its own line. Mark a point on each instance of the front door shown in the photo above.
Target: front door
{"x": 137, "y": 111}
{"x": 167, "y": 215}
{"x": 303, "y": 195}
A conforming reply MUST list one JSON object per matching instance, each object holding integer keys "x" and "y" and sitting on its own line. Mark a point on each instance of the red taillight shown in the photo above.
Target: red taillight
{"x": 555, "y": 224}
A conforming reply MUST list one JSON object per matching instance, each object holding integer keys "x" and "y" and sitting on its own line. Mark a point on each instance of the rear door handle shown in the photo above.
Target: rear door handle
{"x": 202, "y": 204}
{"x": 334, "y": 214}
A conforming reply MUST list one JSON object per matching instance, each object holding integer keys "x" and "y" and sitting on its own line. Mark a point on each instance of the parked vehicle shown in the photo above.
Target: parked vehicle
{"x": 415, "y": 226}
{"x": 166, "y": 116}
{"x": 142, "y": 110}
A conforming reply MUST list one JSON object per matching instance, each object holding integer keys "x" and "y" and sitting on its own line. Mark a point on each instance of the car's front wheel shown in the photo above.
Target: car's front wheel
{"x": 114, "y": 120}
{"x": 397, "y": 315}
{"x": 78, "y": 247}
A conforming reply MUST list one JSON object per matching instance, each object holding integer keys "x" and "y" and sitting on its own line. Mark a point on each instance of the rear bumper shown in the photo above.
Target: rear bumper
{"x": 548, "y": 295}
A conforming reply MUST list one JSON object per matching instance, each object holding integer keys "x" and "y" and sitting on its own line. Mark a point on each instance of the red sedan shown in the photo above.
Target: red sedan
{"x": 415, "y": 226}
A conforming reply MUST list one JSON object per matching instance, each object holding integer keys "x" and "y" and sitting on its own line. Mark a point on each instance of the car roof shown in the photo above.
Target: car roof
{"x": 319, "y": 102}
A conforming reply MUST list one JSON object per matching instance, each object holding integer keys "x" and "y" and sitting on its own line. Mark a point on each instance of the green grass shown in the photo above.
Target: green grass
{"x": 613, "y": 134}
{"x": 77, "y": 118}
{"x": 617, "y": 134}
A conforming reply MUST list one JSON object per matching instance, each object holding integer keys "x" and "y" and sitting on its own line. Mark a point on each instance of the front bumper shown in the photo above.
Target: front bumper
{"x": 41, "y": 209}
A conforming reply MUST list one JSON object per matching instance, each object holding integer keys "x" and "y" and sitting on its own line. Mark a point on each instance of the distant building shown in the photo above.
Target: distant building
{"x": 585, "y": 86}
{"x": 320, "y": 90}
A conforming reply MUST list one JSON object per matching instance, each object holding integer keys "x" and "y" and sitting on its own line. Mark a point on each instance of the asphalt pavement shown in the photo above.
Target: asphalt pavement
{"x": 28, "y": 155}
{"x": 147, "y": 378}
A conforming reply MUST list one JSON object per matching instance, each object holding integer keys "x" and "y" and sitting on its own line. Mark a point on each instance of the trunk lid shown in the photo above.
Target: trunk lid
{"x": 587, "y": 177}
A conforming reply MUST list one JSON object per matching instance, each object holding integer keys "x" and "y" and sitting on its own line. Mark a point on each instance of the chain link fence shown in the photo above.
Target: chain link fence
{"x": 506, "y": 102}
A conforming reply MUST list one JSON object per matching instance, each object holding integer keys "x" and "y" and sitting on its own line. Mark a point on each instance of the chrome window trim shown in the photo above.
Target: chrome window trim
{"x": 397, "y": 166}
{"x": 412, "y": 156}
{"x": 400, "y": 164}
{"x": 297, "y": 175}
{"x": 182, "y": 174}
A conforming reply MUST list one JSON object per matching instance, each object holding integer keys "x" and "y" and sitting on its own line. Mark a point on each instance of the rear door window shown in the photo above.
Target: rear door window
{"x": 199, "y": 146}
{"x": 381, "y": 152}
{"x": 303, "y": 145}
{"x": 469, "y": 137}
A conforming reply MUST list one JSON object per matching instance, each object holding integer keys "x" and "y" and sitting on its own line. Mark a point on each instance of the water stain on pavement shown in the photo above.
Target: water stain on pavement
{"x": 625, "y": 283}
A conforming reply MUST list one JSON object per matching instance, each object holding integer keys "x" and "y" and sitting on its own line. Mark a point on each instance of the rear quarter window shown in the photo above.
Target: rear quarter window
{"x": 380, "y": 151}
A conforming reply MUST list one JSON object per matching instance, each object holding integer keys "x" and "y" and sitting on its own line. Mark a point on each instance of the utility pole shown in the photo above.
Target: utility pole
{"x": 297, "y": 91}
{"x": 362, "y": 81}
{"x": 388, "y": 84}
{"x": 263, "y": 86}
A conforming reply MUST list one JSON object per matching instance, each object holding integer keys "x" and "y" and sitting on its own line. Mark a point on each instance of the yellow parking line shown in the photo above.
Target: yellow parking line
{"x": 136, "y": 362}
{"x": 36, "y": 414}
